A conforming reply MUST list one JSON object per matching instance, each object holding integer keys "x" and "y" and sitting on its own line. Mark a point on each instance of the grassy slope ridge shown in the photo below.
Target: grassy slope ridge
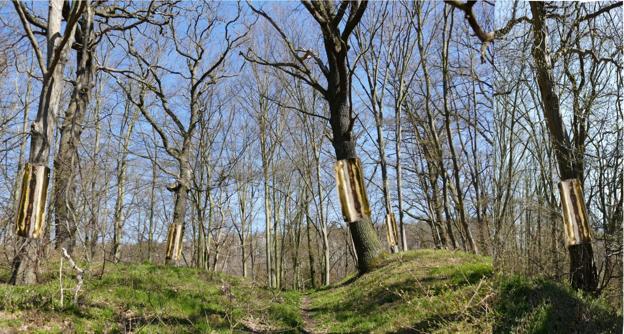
{"x": 145, "y": 298}
{"x": 423, "y": 291}
{"x": 419, "y": 291}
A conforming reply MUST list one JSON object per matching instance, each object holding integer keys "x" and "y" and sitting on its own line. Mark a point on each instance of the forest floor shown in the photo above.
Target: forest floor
{"x": 423, "y": 291}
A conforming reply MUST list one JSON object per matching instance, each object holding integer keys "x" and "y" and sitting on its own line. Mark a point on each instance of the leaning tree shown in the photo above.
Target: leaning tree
{"x": 569, "y": 150}
{"x": 336, "y": 21}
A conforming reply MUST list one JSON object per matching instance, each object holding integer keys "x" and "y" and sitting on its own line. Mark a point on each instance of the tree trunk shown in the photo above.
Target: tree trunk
{"x": 309, "y": 241}
{"x": 365, "y": 239}
{"x": 324, "y": 232}
{"x": 91, "y": 236}
{"x": 66, "y": 161}
{"x": 582, "y": 268}
{"x": 458, "y": 193}
{"x": 150, "y": 232}
{"x": 399, "y": 173}
{"x": 180, "y": 191}
{"x": 381, "y": 145}
{"x": 122, "y": 166}
{"x": 25, "y": 263}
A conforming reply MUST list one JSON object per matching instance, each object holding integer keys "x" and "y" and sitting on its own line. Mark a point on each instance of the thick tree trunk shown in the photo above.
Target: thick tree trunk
{"x": 582, "y": 268}
{"x": 367, "y": 244}
{"x": 66, "y": 160}
{"x": 180, "y": 191}
{"x": 365, "y": 239}
{"x": 25, "y": 263}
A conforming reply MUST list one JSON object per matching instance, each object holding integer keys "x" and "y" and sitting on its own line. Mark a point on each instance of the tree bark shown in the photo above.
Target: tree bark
{"x": 66, "y": 160}
{"x": 25, "y": 263}
{"x": 582, "y": 267}
{"x": 337, "y": 93}
{"x": 458, "y": 193}
{"x": 122, "y": 166}
{"x": 181, "y": 196}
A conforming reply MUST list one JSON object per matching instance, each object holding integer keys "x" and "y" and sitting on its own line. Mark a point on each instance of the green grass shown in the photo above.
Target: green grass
{"x": 152, "y": 299}
{"x": 423, "y": 291}
{"x": 541, "y": 306}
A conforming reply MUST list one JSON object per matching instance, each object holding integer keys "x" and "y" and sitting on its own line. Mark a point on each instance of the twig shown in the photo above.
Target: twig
{"x": 61, "y": 280}
{"x": 78, "y": 275}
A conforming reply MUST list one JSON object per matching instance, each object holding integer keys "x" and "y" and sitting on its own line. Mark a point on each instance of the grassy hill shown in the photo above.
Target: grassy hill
{"x": 424, "y": 291}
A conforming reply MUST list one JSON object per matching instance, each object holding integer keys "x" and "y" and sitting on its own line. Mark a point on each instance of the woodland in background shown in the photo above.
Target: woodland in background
{"x": 213, "y": 115}
{"x": 584, "y": 44}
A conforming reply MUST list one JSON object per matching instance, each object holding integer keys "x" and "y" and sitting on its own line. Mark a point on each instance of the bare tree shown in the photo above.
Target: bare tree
{"x": 59, "y": 44}
{"x": 201, "y": 72}
{"x": 337, "y": 93}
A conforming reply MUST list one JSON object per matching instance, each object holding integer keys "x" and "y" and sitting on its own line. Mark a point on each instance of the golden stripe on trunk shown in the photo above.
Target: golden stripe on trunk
{"x": 174, "y": 235}
{"x": 575, "y": 218}
{"x": 392, "y": 233}
{"x": 31, "y": 213}
{"x": 351, "y": 190}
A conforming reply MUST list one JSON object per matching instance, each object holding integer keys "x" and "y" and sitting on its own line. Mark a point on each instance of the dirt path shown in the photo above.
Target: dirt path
{"x": 308, "y": 322}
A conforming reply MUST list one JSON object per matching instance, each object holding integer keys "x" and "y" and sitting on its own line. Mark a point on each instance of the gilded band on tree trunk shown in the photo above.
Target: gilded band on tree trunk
{"x": 351, "y": 190}
{"x": 575, "y": 218}
{"x": 31, "y": 209}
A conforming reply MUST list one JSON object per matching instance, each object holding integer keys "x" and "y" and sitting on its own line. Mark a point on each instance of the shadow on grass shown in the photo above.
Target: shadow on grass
{"x": 441, "y": 321}
{"x": 541, "y": 306}
{"x": 368, "y": 305}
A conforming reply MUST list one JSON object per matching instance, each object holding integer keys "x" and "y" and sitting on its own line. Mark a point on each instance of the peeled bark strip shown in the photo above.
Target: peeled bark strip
{"x": 31, "y": 214}
{"x": 575, "y": 218}
{"x": 392, "y": 233}
{"x": 578, "y": 236}
{"x": 351, "y": 190}
{"x": 174, "y": 243}
{"x": 25, "y": 263}
{"x": 570, "y": 160}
